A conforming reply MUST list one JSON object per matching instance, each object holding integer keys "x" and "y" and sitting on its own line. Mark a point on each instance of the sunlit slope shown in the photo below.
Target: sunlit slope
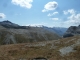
{"x": 31, "y": 34}
{"x": 63, "y": 49}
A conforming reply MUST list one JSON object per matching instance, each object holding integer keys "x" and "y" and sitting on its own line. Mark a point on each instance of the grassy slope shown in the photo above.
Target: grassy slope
{"x": 48, "y": 49}
{"x": 34, "y": 34}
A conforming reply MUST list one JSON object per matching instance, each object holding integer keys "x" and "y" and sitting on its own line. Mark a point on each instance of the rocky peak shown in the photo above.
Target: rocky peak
{"x": 71, "y": 31}
{"x": 8, "y": 24}
{"x": 6, "y": 21}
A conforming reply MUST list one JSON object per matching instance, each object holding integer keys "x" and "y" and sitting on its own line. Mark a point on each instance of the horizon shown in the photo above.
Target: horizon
{"x": 34, "y": 25}
{"x": 50, "y": 13}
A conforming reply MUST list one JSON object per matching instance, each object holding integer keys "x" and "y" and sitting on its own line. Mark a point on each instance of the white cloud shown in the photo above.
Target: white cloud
{"x": 54, "y": 13}
{"x": 65, "y": 12}
{"x": 23, "y": 3}
{"x": 50, "y": 6}
{"x": 54, "y": 18}
{"x": 71, "y": 11}
{"x": 2, "y": 15}
{"x": 73, "y": 19}
{"x": 49, "y": 14}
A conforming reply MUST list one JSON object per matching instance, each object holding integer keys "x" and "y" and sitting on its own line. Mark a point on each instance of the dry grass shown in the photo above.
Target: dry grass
{"x": 50, "y": 50}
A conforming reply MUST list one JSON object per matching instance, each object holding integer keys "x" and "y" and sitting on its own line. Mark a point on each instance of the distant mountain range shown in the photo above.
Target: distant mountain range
{"x": 58, "y": 30}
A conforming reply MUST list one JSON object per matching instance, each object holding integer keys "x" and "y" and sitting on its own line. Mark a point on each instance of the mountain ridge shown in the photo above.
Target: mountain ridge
{"x": 11, "y": 33}
{"x": 72, "y": 31}
{"x": 58, "y": 30}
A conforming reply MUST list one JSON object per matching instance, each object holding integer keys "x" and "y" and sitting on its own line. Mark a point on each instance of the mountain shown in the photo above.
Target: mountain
{"x": 8, "y": 24}
{"x": 62, "y": 49}
{"x": 58, "y": 30}
{"x": 38, "y": 43}
{"x": 11, "y": 33}
{"x": 72, "y": 31}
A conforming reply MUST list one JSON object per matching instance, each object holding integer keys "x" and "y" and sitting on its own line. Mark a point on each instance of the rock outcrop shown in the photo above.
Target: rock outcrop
{"x": 72, "y": 31}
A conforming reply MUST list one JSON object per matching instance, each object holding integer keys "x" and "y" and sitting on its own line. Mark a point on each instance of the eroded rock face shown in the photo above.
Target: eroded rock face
{"x": 39, "y": 58}
{"x": 72, "y": 31}
{"x": 67, "y": 35}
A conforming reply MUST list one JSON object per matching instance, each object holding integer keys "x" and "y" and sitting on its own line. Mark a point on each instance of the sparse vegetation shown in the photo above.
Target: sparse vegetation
{"x": 33, "y": 50}
{"x": 33, "y": 34}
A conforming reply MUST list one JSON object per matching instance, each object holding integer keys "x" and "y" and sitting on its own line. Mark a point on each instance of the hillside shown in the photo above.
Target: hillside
{"x": 72, "y": 31}
{"x": 11, "y": 33}
{"x": 58, "y": 30}
{"x": 64, "y": 49}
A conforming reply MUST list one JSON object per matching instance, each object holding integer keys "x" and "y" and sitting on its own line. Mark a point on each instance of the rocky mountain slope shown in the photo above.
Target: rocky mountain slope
{"x": 72, "y": 31}
{"x": 8, "y": 24}
{"x": 11, "y": 33}
{"x": 62, "y": 49}
{"x": 46, "y": 44}
{"x": 58, "y": 30}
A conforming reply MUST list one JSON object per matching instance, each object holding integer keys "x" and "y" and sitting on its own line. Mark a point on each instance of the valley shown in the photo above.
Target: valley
{"x": 39, "y": 30}
{"x": 30, "y": 43}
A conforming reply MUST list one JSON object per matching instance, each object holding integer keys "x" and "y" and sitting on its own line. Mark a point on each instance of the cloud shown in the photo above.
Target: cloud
{"x": 54, "y": 18}
{"x": 23, "y": 3}
{"x": 71, "y": 11}
{"x": 54, "y": 13}
{"x": 73, "y": 19}
{"x": 2, "y": 15}
{"x": 49, "y": 14}
{"x": 65, "y": 12}
{"x": 50, "y": 6}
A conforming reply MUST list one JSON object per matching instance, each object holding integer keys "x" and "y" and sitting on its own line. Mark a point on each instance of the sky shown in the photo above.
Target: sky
{"x": 51, "y": 13}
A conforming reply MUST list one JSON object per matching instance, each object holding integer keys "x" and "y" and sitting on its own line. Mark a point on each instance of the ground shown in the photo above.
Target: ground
{"x": 61, "y": 49}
